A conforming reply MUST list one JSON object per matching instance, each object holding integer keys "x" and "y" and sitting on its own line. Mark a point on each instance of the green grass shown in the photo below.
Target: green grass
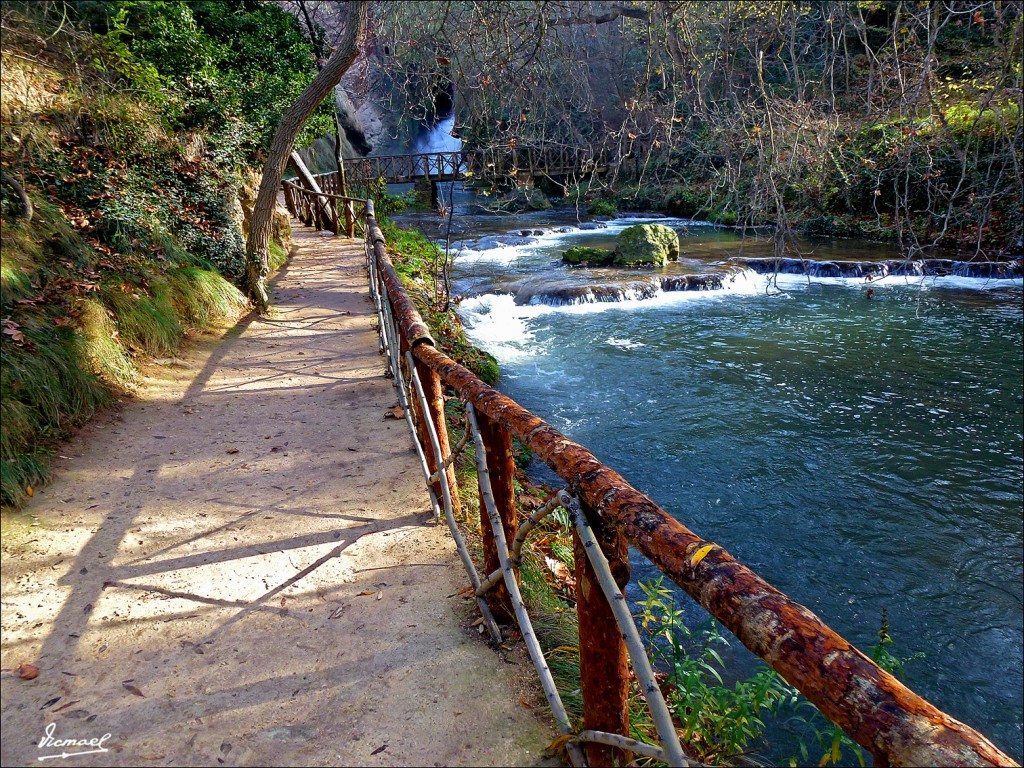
{"x": 202, "y": 295}
{"x": 278, "y": 256}
{"x": 105, "y": 354}
{"x": 47, "y": 388}
{"x": 74, "y": 343}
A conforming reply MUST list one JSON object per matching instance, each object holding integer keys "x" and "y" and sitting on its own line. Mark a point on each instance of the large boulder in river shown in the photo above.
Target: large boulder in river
{"x": 646, "y": 244}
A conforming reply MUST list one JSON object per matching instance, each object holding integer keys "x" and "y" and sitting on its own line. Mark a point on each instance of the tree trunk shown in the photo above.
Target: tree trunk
{"x": 339, "y": 160}
{"x": 23, "y": 198}
{"x": 256, "y": 262}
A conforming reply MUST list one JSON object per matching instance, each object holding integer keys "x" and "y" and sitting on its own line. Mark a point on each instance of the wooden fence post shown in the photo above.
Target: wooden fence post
{"x": 604, "y": 662}
{"x": 501, "y": 469}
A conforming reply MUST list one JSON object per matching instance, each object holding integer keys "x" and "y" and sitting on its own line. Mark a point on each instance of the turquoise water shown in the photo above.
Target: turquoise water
{"x": 860, "y": 454}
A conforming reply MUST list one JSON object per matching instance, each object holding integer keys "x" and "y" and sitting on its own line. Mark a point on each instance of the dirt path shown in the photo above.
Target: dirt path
{"x": 240, "y": 568}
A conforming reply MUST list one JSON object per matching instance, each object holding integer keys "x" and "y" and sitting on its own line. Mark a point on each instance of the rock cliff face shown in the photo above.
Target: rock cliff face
{"x": 362, "y": 94}
{"x": 361, "y": 100}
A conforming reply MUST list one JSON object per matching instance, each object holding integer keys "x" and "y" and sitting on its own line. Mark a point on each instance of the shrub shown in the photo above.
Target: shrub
{"x": 602, "y": 208}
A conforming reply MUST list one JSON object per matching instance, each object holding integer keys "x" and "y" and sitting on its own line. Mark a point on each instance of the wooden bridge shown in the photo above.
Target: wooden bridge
{"x": 331, "y": 210}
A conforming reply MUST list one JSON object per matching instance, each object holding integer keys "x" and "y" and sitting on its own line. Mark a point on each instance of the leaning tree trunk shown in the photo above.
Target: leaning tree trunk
{"x": 23, "y": 198}
{"x": 256, "y": 261}
{"x": 339, "y": 160}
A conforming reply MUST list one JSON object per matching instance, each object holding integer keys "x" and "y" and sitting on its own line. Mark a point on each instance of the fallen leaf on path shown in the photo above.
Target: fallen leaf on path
{"x": 478, "y": 622}
{"x": 153, "y": 756}
{"x": 231, "y": 450}
{"x": 62, "y": 707}
{"x": 524, "y": 703}
{"x": 132, "y": 689}
{"x": 379, "y": 749}
{"x": 394, "y": 412}
{"x": 29, "y": 491}
{"x": 50, "y": 703}
{"x": 366, "y": 592}
{"x": 558, "y": 568}
{"x": 380, "y": 595}
{"x": 27, "y": 671}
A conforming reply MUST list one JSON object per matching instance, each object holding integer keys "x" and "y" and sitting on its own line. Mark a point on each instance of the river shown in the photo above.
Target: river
{"x": 859, "y": 453}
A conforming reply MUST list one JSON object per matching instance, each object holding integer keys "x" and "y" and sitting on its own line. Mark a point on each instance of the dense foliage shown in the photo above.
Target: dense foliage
{"x": 131, "y": 127}
{"x": 228, "y": 69}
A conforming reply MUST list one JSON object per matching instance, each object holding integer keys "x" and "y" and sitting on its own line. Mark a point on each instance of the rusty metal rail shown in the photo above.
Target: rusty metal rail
{"x": 894, "y": 724}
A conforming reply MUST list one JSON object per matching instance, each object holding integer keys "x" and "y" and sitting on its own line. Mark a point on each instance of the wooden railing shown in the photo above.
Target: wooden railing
{"x": 326, "y": 211}
{"x": 894, "y": 724}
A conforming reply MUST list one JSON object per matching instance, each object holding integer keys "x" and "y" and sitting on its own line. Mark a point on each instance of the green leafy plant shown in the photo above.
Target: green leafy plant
{"x": 602, "y": 208}
{"x": 716, "y": 721}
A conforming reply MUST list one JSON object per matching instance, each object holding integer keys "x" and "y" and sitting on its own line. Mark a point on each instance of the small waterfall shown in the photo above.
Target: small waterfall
{"x": 571, "y": 295}
{"x": 1000, "y": 270}
{"x": 436, "y": 138}
{"x": 564, "y": 295}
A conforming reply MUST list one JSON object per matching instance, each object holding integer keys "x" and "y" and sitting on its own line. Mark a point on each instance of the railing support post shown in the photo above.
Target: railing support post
{"x": 435, "y": 402}
{"x": 501, "y": 469}
{"x": 604, "y": 661}
{"x": 350, "y": 219}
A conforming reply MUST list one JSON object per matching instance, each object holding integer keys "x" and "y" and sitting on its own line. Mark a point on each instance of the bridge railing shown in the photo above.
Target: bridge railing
{"x": 489, "y": 163}
{"x": 403, "y": 168}
{"x": 894, "y": 724}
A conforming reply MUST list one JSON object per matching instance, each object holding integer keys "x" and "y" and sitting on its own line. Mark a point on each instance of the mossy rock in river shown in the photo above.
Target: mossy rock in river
{"x": 593, "y": 257}
{"x": 646, "y": 244}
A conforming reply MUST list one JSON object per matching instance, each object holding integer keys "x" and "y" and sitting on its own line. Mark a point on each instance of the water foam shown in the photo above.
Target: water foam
{"x": 794, "y": 282}
{"x": 495, "y": 323}
{"x": 624, "y": 343}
